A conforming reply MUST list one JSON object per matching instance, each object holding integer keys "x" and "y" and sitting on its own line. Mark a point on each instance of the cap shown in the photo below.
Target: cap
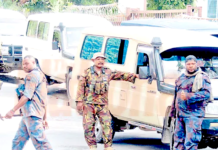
{"x": 98, "y": 55}
{"x": 190, "y": 57}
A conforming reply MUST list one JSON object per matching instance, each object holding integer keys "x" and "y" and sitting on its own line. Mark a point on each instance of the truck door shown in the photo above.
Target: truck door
{"x": 142, "y": 97}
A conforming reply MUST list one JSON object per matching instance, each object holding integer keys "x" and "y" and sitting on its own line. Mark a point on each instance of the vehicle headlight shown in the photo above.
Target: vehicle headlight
{"x": 212, "y": 108}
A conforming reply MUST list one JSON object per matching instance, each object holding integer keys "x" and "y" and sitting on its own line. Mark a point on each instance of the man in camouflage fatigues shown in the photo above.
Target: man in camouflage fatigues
{"x": 193, "y": 89}
{"x": 93, "y": 96}
{"x": 33, "y": 105}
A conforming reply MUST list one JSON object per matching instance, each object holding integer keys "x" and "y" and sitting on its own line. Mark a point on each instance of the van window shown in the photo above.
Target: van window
{"x": 73, "y": 35}
{"x": 43, "y": 31}
{"x": 143, "y": 61}
{"x": 57, "y": 38}
{"x": 173, "y": 61}
{"x": 91, "y": 45}
{"x": 31, "y": 29}
{"x": 116, "y": 50}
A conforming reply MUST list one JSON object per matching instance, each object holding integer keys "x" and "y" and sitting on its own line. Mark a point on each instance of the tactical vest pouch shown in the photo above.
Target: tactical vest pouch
{"x": 98, "y": 88}
{"x": 104, "y": 87}
{"x": 92, "y": 88}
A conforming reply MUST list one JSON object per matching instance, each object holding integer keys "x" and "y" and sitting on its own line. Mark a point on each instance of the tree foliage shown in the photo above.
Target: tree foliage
{"x": 39, "y": 6}
{"x": 168, "y": 4}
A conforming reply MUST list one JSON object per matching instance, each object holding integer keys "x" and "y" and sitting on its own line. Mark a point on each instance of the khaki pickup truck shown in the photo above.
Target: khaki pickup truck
{"x": 158, "y": 56}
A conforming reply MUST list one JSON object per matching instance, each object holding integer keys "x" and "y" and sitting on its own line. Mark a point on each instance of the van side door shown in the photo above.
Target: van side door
{"x": 115, "y": 52}
{"x": 142, "y": 97}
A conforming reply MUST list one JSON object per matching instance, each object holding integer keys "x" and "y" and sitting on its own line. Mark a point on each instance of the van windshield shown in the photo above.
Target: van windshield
{"x": 12, "y": 27}
{"x": 73, "y": 36}
{"x": 173, "y": 61}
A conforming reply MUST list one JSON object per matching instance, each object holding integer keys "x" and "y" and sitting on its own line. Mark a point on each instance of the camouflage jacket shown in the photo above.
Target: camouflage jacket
{"x": 195, "y": 103}
{"x": 99, "y": 93}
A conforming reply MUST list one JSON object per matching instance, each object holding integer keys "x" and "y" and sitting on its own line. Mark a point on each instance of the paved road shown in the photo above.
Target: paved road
{"x": 66, "y": 132}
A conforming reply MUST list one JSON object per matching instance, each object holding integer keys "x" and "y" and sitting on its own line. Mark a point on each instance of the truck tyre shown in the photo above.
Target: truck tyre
{"x": 98, "y": 130}
{"x": 165, "y": 138}
{"x": 69, "y": 76}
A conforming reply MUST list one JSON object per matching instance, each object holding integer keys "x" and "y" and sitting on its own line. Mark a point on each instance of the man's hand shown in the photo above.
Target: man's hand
{"x": 79, "y": 107}
{"x": 45, "y": 124}
{"x": 183, "y": 95}
{"x": 9, "y": 115}
{"x": 137, "y": 76}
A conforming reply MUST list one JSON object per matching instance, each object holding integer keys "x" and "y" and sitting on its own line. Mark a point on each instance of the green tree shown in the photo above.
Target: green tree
{"x": 9, "y": 4}
{"x": 168, "y": 4}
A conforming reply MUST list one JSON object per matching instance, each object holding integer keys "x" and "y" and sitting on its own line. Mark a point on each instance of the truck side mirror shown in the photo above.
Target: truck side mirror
{"x": 55, "y": 45}
{"x": 144, "y": 73}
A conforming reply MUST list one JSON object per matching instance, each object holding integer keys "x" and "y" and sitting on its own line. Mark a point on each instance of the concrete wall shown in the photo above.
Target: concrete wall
{"x": 123, "y": 4}
{"x": 204, "y": 4}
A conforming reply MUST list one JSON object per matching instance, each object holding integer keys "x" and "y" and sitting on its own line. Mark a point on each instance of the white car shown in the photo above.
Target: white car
{"x": 12, "y": 30}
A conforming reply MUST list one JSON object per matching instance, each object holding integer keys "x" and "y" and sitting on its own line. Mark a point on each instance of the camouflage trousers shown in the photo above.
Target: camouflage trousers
{"x": 31, "y": 127}
{"x": 90, "y": 111}
{"x": 187, "y": 133}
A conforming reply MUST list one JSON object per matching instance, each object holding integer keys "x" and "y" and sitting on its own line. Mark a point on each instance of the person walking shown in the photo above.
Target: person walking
{"x": 193, "y": 91}
{"x": 92, "y": 99}
{"x": 33, "y": 95}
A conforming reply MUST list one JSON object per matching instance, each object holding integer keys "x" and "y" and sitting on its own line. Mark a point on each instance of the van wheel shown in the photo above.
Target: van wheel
{"x": 99, "y": 132}
{"x": 70, "y": 100}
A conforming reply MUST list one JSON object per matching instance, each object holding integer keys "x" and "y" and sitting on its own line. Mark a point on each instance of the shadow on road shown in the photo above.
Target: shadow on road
{"x": 147, "y": 143}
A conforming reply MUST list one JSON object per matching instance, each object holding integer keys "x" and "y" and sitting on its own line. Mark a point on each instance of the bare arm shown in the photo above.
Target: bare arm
{"x": 20, "y": 103}
{"x": 28, "y": 93}
{"x": 45, "y": 115}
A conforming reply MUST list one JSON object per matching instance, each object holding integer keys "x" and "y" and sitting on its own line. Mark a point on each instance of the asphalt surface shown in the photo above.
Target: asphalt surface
{"x": 65, "y": 126}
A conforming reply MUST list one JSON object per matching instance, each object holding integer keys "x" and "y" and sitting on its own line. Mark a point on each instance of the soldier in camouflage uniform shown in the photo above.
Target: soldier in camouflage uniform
{"x": 92, "y": 97}
{"x": 33, "y": 95}
{"x": 193, "y": 90}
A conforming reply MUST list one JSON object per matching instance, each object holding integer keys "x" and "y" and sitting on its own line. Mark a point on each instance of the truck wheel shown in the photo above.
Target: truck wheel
{"x": 99, "y": 132}
{"x": 69, "y": 76}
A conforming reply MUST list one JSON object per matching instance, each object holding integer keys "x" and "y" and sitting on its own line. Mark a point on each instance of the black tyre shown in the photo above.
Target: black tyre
{"x": 172, "y": 128}
{"x": 99, "y": 132}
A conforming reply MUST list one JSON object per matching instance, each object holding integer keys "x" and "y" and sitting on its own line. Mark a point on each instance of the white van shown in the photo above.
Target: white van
{"x": 12, "y": 30}
{"x": 53, "y": 40}
{"x": 146, "y": 103}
